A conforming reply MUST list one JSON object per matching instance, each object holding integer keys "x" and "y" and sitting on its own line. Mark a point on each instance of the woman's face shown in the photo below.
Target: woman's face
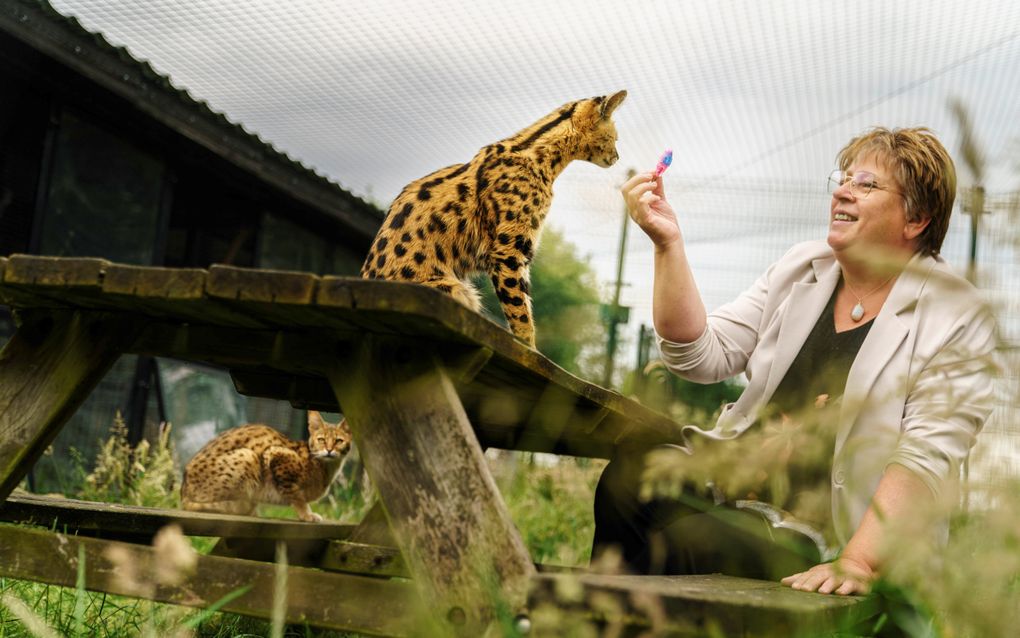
{"x": 877, "y": 220}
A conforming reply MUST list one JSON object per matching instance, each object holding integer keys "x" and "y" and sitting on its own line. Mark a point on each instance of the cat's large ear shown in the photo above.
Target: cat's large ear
{"x": 609, "y": 104}
{"x": 315, "y": 421}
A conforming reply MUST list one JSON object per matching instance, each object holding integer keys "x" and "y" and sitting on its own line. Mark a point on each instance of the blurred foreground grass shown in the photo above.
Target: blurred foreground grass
{"x": 551, "y": 505}
{"x": 967, "y": 589}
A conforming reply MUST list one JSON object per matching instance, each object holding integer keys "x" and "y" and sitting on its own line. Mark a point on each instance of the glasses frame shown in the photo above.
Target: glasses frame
{"x": 839, "y": 177}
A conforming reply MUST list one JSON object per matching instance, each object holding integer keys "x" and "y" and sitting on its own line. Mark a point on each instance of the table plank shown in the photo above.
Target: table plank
{"x": 324, "y": 599}
{"x": 31, "y": 281}
{"x": 265, "y": 286}
{"x": 74, "y": 515}
{"x": 283, "y": 299}
{"x": 179, "y": 293}
{"x": 693, "y": 605}
{"x": 65, "y": 272}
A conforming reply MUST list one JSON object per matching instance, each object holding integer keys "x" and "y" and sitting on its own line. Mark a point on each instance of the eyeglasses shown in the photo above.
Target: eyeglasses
{"x": 861, "y": 183}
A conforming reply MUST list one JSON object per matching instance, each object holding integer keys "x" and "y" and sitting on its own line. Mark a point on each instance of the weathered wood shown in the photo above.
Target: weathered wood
{"x": 303, "y": 392}
{"x": 450, "y": 522}
{"x": 331, "y": 555}
{"x": 323, "y": 599}
{"x": 66, "y": 272}
{"x": 287, "y": 351}
{"x": 300, "y": 552}
{"x": 691, "y": 606}
{"x": 48, "y": 368}
{"x": 50, "y": 282}
{"x": 168, "y": 292}
{"x": 115, "y": 520}
{"x": 521, "y": 417}
{"x": 357, "y": 558}
{"x": 300, "y": 314}
{"x": 374, "y": 528}
{"x": 390, "y": 306}
{"x": 315, "y": 392}
{"x": 277, "y": 298}
{"x": 173, "y": 284}
{"x": 97, "y": 284}
{"x": 266, "y": 286}
{"x": 248, "y": 537}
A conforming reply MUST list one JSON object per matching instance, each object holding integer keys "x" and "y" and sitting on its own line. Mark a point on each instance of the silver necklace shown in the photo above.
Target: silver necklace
{"x": 857, "y": 312}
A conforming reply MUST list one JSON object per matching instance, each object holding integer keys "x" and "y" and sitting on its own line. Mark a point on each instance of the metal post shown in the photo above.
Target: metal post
{"x": 614, "y": 310}
{"x": 977, "y": 208}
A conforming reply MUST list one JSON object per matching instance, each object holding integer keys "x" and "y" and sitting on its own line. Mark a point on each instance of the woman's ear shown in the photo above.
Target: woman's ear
{"x": 913, "y": 229}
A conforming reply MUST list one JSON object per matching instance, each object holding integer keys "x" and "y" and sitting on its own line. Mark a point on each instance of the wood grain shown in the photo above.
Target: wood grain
{"x": 324, "y": 599}
{"x": 50, "y": 366}
{"x": 449, "y": 520}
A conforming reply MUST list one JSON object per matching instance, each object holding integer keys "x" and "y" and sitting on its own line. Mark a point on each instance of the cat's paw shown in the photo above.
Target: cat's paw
{"x": 312, "y": 517}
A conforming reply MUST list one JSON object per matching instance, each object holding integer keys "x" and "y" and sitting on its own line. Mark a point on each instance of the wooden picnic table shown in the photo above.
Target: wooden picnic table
{"x": 426, "y": 386}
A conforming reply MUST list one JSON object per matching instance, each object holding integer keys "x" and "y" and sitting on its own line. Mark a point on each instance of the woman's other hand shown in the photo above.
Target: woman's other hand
{"x": 843, "y": 576}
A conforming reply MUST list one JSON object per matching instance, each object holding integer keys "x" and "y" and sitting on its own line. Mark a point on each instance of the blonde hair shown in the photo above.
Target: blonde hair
{"x": 924, "y": 170}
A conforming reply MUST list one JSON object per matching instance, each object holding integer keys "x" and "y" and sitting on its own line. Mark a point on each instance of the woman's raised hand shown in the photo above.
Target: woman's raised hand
{"x": 647, "y": 205}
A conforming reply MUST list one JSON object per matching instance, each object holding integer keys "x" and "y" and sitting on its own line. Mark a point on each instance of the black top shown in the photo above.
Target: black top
{"x": 804, "y": 411}
{"x": 821, "y": 366}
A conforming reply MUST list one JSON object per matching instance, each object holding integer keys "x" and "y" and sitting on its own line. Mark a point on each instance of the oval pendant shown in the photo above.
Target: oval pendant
{"x": 858, "y": 312}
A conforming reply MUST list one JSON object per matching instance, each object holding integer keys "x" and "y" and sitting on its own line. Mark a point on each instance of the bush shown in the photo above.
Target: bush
{"x": 145, "y": 474}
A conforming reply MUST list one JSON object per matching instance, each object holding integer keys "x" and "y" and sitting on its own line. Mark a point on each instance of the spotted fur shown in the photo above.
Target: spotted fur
{"x": 253, "y": 464}
{"x": 486, "y": 215}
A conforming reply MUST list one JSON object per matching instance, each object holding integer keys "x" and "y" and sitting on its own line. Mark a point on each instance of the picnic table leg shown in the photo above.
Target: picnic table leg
{"x": 47, "y": 369}
{"x": 444, "y": 508}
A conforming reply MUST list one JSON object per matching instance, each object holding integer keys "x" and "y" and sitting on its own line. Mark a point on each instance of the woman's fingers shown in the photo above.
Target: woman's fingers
{"x": 830, "y": 578}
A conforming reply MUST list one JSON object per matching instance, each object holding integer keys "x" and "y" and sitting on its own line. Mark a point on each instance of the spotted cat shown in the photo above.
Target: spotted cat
{"x": 253, "y": 464}
{"x": 486, "y": 215}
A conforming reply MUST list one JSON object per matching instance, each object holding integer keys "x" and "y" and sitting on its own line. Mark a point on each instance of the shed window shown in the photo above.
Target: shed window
{"x": 103, "y": 197}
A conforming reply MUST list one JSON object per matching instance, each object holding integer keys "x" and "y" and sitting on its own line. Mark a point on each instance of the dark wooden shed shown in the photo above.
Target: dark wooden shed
{"x": 101, "y": 156}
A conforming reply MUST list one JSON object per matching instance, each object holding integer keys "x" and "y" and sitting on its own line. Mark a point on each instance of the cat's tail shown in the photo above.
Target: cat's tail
{"x": 240, "y": 508}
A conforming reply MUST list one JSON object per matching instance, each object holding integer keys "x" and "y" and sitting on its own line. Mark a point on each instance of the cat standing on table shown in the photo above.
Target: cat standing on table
{"x": 253, "y": 464}
{"x": 486, "y": 215}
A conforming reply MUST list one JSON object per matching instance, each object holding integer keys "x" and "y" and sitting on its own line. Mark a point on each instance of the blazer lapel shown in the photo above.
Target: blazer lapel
{"x": 803, "y": 307}
{"x": 891, "y": 327}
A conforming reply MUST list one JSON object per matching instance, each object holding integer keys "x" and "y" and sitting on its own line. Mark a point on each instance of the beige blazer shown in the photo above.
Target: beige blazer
{"x": 917, "y": 394}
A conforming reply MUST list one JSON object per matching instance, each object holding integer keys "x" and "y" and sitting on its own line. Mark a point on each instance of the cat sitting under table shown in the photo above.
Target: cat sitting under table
{"x": 253, "y": 464}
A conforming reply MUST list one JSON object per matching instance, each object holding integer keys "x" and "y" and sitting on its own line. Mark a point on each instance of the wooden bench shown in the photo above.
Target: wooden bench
{"x": 425, "y": 384}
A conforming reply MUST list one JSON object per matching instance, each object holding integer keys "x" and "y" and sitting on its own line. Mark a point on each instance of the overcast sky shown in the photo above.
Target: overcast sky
{"x": 754, "y": 97}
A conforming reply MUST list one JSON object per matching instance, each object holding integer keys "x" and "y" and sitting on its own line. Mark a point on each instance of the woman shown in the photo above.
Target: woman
{"x": 870, "y": 325}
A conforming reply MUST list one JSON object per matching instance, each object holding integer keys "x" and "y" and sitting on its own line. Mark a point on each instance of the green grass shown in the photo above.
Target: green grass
{"x": 551, "y": 505}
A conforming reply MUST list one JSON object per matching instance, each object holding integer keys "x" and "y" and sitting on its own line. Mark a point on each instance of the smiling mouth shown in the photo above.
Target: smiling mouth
{"x": 843, "y": 217}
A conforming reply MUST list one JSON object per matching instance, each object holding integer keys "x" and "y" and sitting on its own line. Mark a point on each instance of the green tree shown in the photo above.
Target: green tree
{"x": 565, "y": 302}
